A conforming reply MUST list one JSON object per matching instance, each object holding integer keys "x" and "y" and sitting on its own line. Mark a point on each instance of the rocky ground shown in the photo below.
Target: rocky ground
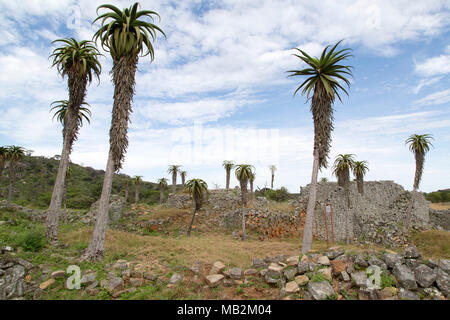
{"x": 330, "y": 275}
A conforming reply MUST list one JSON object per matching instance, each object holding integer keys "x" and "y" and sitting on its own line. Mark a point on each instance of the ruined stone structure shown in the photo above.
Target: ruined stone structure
{"x": 440, "y": 219}
{"x": 376, "y": 216}
{"x": 116, "y": 208}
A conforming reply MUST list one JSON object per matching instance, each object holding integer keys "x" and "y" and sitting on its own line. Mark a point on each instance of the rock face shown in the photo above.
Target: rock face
{"x": 374, "y": 215}
{"x": 320, "y": 290}
{"x": 440, "y": 219}
{"x": 13, "y": 284}
{"x": 424, "y": 275}
{"x": 116, "y": 206}
{"x": 405, "y": 277}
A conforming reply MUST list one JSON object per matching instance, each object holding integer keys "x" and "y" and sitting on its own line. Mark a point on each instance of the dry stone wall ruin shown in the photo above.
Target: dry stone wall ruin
{"x": 375, "y": 216}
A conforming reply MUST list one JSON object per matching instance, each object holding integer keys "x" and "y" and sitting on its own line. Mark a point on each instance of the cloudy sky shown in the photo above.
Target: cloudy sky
{"x": 217, "y": 88}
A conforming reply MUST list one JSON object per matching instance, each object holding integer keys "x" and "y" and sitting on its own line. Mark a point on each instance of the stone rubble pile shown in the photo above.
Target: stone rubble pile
{"x": 116, "y": 209}
{"x": 440, "y": 219}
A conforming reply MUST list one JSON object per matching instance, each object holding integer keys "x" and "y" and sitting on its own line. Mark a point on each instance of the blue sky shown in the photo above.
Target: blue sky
{"x": 218, "y": 87}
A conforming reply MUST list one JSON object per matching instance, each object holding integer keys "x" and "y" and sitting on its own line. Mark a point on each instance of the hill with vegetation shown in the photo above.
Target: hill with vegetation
{"x": 36, "y": 177}
{"x": 438, "y": 196}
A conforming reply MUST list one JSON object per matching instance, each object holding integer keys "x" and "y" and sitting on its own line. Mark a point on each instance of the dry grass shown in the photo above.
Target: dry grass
{"x": 184, "y": 250}
{"x": 433, "y": 243}
{"x": 280, "y": 206}
{"x": 440, "y": 206}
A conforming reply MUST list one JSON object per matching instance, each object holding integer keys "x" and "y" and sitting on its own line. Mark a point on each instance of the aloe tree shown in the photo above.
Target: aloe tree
{"x": 419, "y": 144}
{"x": 69, "y": 172}
{"x": 183, "y": 175}
{"x": 272, "y": 169}
{"x": 13, "y": 155}
{"x": 360, "y": 168}
{"x": 228, "y": 165}
{"x": 323, "y": 74}
{"x": 162, "y": 183}
{"x": 251, "y": 179}
{"x": 343, "y": 165}
{"x": 197, "y": 188}
{"x": 137, "y": 180}
{"x": 125, "y": 35}
{"x": 243, "y": 173}
{"x": 173, "y": 170}
{"x": 79, "y": 62}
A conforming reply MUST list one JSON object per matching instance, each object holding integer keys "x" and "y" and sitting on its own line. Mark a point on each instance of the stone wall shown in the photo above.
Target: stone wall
{"x": 375, "y": 216}
{"x": 13, "y": 285}
{"x": 440, "y": 219}
{"x": 116, "y": 208}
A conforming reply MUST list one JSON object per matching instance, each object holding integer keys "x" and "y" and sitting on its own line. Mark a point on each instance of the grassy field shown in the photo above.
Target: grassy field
{"x": 440, "y": 205}
{"x": 165, "y": 254}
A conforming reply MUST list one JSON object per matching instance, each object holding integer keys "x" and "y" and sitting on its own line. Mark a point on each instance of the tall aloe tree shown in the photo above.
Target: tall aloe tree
{"x": 228, "y": 165}
{"x": 251, "y": 179}
{"x": 360, "y": 169}
{"x": 183, "y": 175}
{"x": 125, "y": 35}
{"x": 243, "y": 174}
{"x": 419, "y": 144}
{"x": 69, "y": 172}
{"x": 272, "y": 169}
{"x": 137, "y": 180}
{"x": 343, "y": 165}
{"x": 127, "y": 186}
{"x": 79, "y": 62}
{"x": 13, "y": 155}
{"x": 197, "y": 188}
{"x": 162, "y": 184}
{"x": 173, "y": 170}
{"x": 323, "y": 74}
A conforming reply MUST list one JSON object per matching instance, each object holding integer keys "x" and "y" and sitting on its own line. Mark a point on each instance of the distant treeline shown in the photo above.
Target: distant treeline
{"x": 36, "y": 177}
{"x": 438, "y": 196}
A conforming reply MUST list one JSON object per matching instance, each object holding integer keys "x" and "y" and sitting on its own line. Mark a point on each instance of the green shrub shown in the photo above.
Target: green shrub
{"x": 32, "y": 240}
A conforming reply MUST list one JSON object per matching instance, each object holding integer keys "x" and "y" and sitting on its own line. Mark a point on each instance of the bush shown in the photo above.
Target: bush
{"x": 279, "y": 195}
{"x": 33, "y": 240}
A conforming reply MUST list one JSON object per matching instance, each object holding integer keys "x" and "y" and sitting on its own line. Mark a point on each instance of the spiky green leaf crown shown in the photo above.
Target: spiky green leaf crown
{"x": 197, "y": 187}
{"x": 343, "y": 162}
{"x": 419, "y": 143}
{"x": 324, "y": 69}
{"x": 244, "y": 171}
{"x": 78, "y": 57}
{"x": 61, "y": 113}
{"x": 123, "y": 34}
{"x": 360, "y": 168}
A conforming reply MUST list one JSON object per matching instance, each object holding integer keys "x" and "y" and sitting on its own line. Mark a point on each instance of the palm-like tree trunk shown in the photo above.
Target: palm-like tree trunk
{"x": 360, "y": 183}
{"x": 228, "y": 178}
{"x": 77, "y": 91}
{"x": 161, "y": 195}
{"x": 346, "y": 182}
{"x": 174, "y": 181}
{"x": 244, "y": 205}
{"x": 65, "y": 201}
{"x": 136, "y": 195}
{"x": 271, "y": 182}
{"x": 12, "y": 179}
{"x": 308, "y": 228}
{"x": 124, "y": 71}
{"x": 192, "y": 221}
{"x": 420, "y": 159}
{"x": 183, "y": 178}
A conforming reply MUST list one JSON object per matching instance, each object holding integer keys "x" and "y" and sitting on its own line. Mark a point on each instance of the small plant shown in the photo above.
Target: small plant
{"x": 33, "y": 241}
{"x": 333, "y": 296}
{"x": 318, "y": 277}
{"x": 387, "y": 280}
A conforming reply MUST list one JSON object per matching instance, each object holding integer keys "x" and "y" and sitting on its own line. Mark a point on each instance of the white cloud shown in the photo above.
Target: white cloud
{"x": 434, "y": 66}
{"x": 435, "y": 98}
